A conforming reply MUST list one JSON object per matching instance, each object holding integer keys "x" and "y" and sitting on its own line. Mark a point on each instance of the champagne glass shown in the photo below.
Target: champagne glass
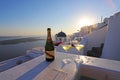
{"x": 66, "y": 46}
{"x": 78, "y": 47}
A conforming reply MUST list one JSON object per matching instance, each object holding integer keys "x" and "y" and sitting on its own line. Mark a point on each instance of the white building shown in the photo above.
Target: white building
{"x": 111, "y": 48}
{"x": 87, "y": 30}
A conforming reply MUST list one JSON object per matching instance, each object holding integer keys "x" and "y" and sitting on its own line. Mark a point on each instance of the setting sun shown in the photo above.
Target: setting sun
{"x": 86, "y": 21}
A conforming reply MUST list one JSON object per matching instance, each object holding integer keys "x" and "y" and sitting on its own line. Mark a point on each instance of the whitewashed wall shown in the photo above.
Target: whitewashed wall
{"x": 111, "y": 48}
{"x": 96, "y": 38}
{"x": 61, "y": 39}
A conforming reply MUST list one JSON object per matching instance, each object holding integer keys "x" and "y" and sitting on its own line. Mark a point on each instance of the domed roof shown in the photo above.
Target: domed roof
{"x": 61, "y": 34}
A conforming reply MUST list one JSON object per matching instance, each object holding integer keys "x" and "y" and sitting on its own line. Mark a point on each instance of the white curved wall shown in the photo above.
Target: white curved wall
{"x": 111, "y": 48}
{"x": 96, "y": 38}
{"x": 61, "y": 39}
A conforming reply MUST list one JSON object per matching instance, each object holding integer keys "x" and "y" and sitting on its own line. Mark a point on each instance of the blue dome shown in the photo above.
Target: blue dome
{"x": 61, "y": 34}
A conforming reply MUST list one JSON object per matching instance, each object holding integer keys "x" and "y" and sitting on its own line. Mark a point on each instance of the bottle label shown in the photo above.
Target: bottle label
{"x": 49, "y": 39}
{"x": 49, "y": 54}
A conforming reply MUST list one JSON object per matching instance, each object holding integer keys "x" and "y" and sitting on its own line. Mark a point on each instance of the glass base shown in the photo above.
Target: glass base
{"x": 78, "y": 60}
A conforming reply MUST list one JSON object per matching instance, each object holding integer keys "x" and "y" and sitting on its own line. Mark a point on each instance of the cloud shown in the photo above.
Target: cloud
{"x": 112, "y": 4}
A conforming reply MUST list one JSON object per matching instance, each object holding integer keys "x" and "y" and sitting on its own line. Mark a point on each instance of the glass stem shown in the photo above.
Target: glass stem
{"x": 66, "y": 51}
{"x": 78, "y": 55}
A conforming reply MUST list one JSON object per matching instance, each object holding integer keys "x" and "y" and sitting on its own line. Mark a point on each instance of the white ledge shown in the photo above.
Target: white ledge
{"x": 98, "y": 68}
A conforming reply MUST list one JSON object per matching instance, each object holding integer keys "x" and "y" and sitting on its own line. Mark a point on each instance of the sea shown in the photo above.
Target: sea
{"x": 14, "y": 50}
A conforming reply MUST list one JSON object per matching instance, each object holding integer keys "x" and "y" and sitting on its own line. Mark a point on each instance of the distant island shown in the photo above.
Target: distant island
{"x": 8, "y": 36}
{"x": 21, "y": 40}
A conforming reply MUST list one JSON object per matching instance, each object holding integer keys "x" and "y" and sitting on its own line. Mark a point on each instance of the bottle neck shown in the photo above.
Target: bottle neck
{"x": 49, "y": 39}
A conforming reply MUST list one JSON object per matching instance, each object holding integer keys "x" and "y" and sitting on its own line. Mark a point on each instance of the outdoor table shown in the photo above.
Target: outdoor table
{"x": 39, "y": 69}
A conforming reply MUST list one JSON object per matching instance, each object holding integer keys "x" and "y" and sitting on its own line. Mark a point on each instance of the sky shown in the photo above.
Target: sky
{"x": 33, "y": 17}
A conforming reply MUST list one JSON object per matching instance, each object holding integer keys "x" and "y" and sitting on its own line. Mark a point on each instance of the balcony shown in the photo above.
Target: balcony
{"x": 39, "y": 69}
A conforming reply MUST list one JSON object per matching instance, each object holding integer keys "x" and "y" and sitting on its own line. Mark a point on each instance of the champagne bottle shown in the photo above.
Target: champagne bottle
{"x": 49, "y": 47}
